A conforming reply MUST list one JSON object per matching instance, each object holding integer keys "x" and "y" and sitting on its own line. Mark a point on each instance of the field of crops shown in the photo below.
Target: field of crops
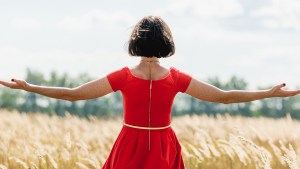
{"x": 38, "y": 141}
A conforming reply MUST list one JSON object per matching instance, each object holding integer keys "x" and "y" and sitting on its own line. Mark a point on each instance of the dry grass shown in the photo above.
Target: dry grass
{"x": 42, "y": 142}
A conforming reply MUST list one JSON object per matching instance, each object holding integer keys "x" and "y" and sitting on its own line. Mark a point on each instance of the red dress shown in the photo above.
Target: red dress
{"x": 131, "y": 148}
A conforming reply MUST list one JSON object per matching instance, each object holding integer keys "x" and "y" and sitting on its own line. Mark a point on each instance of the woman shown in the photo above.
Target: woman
{"x": 147, "y": 140}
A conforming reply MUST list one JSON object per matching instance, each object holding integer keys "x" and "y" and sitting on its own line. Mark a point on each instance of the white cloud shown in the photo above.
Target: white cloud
{"x": 94, "y": 18}
{"x": 213, "y": 32}
{"x": 271, "y": 23}
{"x": 26, "y": 23}
{"x": 276, "y": 54}
{"x": 271, "y": 64}
{"x": 280, "y": 14}
{"x": 205, "y": 8}
{"x": 14, "y": 61}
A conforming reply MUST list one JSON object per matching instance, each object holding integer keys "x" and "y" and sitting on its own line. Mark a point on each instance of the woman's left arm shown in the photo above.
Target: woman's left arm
{"x": 238, "y": 96}
{"x": 90, "y": 90}
{"x": 210, "y": 93}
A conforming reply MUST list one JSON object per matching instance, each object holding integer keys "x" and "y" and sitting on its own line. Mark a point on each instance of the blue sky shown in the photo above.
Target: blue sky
{"x": 257, "y": 40}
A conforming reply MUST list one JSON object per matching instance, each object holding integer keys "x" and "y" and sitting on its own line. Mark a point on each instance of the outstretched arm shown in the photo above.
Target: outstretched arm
{"x": 207, "y": 92}
{"x": 90, "y": 90}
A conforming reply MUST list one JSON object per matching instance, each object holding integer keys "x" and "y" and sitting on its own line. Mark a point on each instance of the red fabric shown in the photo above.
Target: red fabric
{"x": 130, "y": 150}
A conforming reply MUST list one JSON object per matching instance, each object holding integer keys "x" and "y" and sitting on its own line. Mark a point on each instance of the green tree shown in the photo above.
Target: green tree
{"x": 9, "y": 98}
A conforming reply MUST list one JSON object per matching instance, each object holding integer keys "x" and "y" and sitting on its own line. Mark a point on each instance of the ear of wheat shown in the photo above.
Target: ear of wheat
{"x": 38, "y": 141}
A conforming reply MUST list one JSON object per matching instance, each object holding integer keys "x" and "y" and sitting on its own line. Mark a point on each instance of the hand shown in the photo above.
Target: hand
{"x": 15, "y": 84}
{"x": 277, "y": 91}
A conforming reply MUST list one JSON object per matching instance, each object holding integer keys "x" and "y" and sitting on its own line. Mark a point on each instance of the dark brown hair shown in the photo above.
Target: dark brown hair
{"x": 150, "y": 37}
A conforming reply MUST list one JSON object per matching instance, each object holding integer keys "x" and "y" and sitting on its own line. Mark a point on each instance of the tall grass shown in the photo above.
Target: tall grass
{"x": 38, "y": 141}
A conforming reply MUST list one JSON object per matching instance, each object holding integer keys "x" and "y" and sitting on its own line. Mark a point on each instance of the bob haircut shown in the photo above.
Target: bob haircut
{"x": 151, "y": 37}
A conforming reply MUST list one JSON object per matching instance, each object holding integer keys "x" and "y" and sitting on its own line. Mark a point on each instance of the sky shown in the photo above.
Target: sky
{"x": 257, "y": 40}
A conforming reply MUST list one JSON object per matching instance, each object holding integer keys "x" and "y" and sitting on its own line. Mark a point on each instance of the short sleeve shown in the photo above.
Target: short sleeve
{"x": 117, "y": 79}
{"x": 183, "y": 81}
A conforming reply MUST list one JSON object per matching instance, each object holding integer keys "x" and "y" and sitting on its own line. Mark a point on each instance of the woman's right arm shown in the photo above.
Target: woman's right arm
{"x": 210, "y": 93}
{"x": 90, "y": 90}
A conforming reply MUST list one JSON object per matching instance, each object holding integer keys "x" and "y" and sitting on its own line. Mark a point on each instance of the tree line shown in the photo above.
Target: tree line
{"x": 111, "y": 105}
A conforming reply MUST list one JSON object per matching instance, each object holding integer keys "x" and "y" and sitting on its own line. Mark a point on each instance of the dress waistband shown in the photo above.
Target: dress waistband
{"x": 147, "y": 128}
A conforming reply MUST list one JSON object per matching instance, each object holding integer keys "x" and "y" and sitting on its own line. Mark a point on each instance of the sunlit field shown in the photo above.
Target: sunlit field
{"x": 38, "y": 141}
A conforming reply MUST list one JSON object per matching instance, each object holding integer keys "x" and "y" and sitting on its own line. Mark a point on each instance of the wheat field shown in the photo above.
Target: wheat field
{"x": 38, "y": 141}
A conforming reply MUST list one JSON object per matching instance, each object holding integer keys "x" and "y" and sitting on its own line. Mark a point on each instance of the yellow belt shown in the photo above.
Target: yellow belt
{"x": 147, "y": 128}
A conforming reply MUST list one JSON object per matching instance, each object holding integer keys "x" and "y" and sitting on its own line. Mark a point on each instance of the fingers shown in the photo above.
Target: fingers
{"x": 281, "y": 86}
{"x": 278, "y": 87}
{"x": 16, "y": 81}
{"x": 14, "y": 84}
{"x": 8, "y": 84}
{"x": 289, "y": 93}
{"x": 277, "y": 91}
{"x": 296, "y": 92}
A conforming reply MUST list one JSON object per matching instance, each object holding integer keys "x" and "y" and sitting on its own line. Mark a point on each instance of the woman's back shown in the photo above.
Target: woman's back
{"x": 140, "y": 102}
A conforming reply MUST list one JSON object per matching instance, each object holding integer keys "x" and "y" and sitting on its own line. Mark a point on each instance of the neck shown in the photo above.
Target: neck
{"x": 153, "y": 59}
